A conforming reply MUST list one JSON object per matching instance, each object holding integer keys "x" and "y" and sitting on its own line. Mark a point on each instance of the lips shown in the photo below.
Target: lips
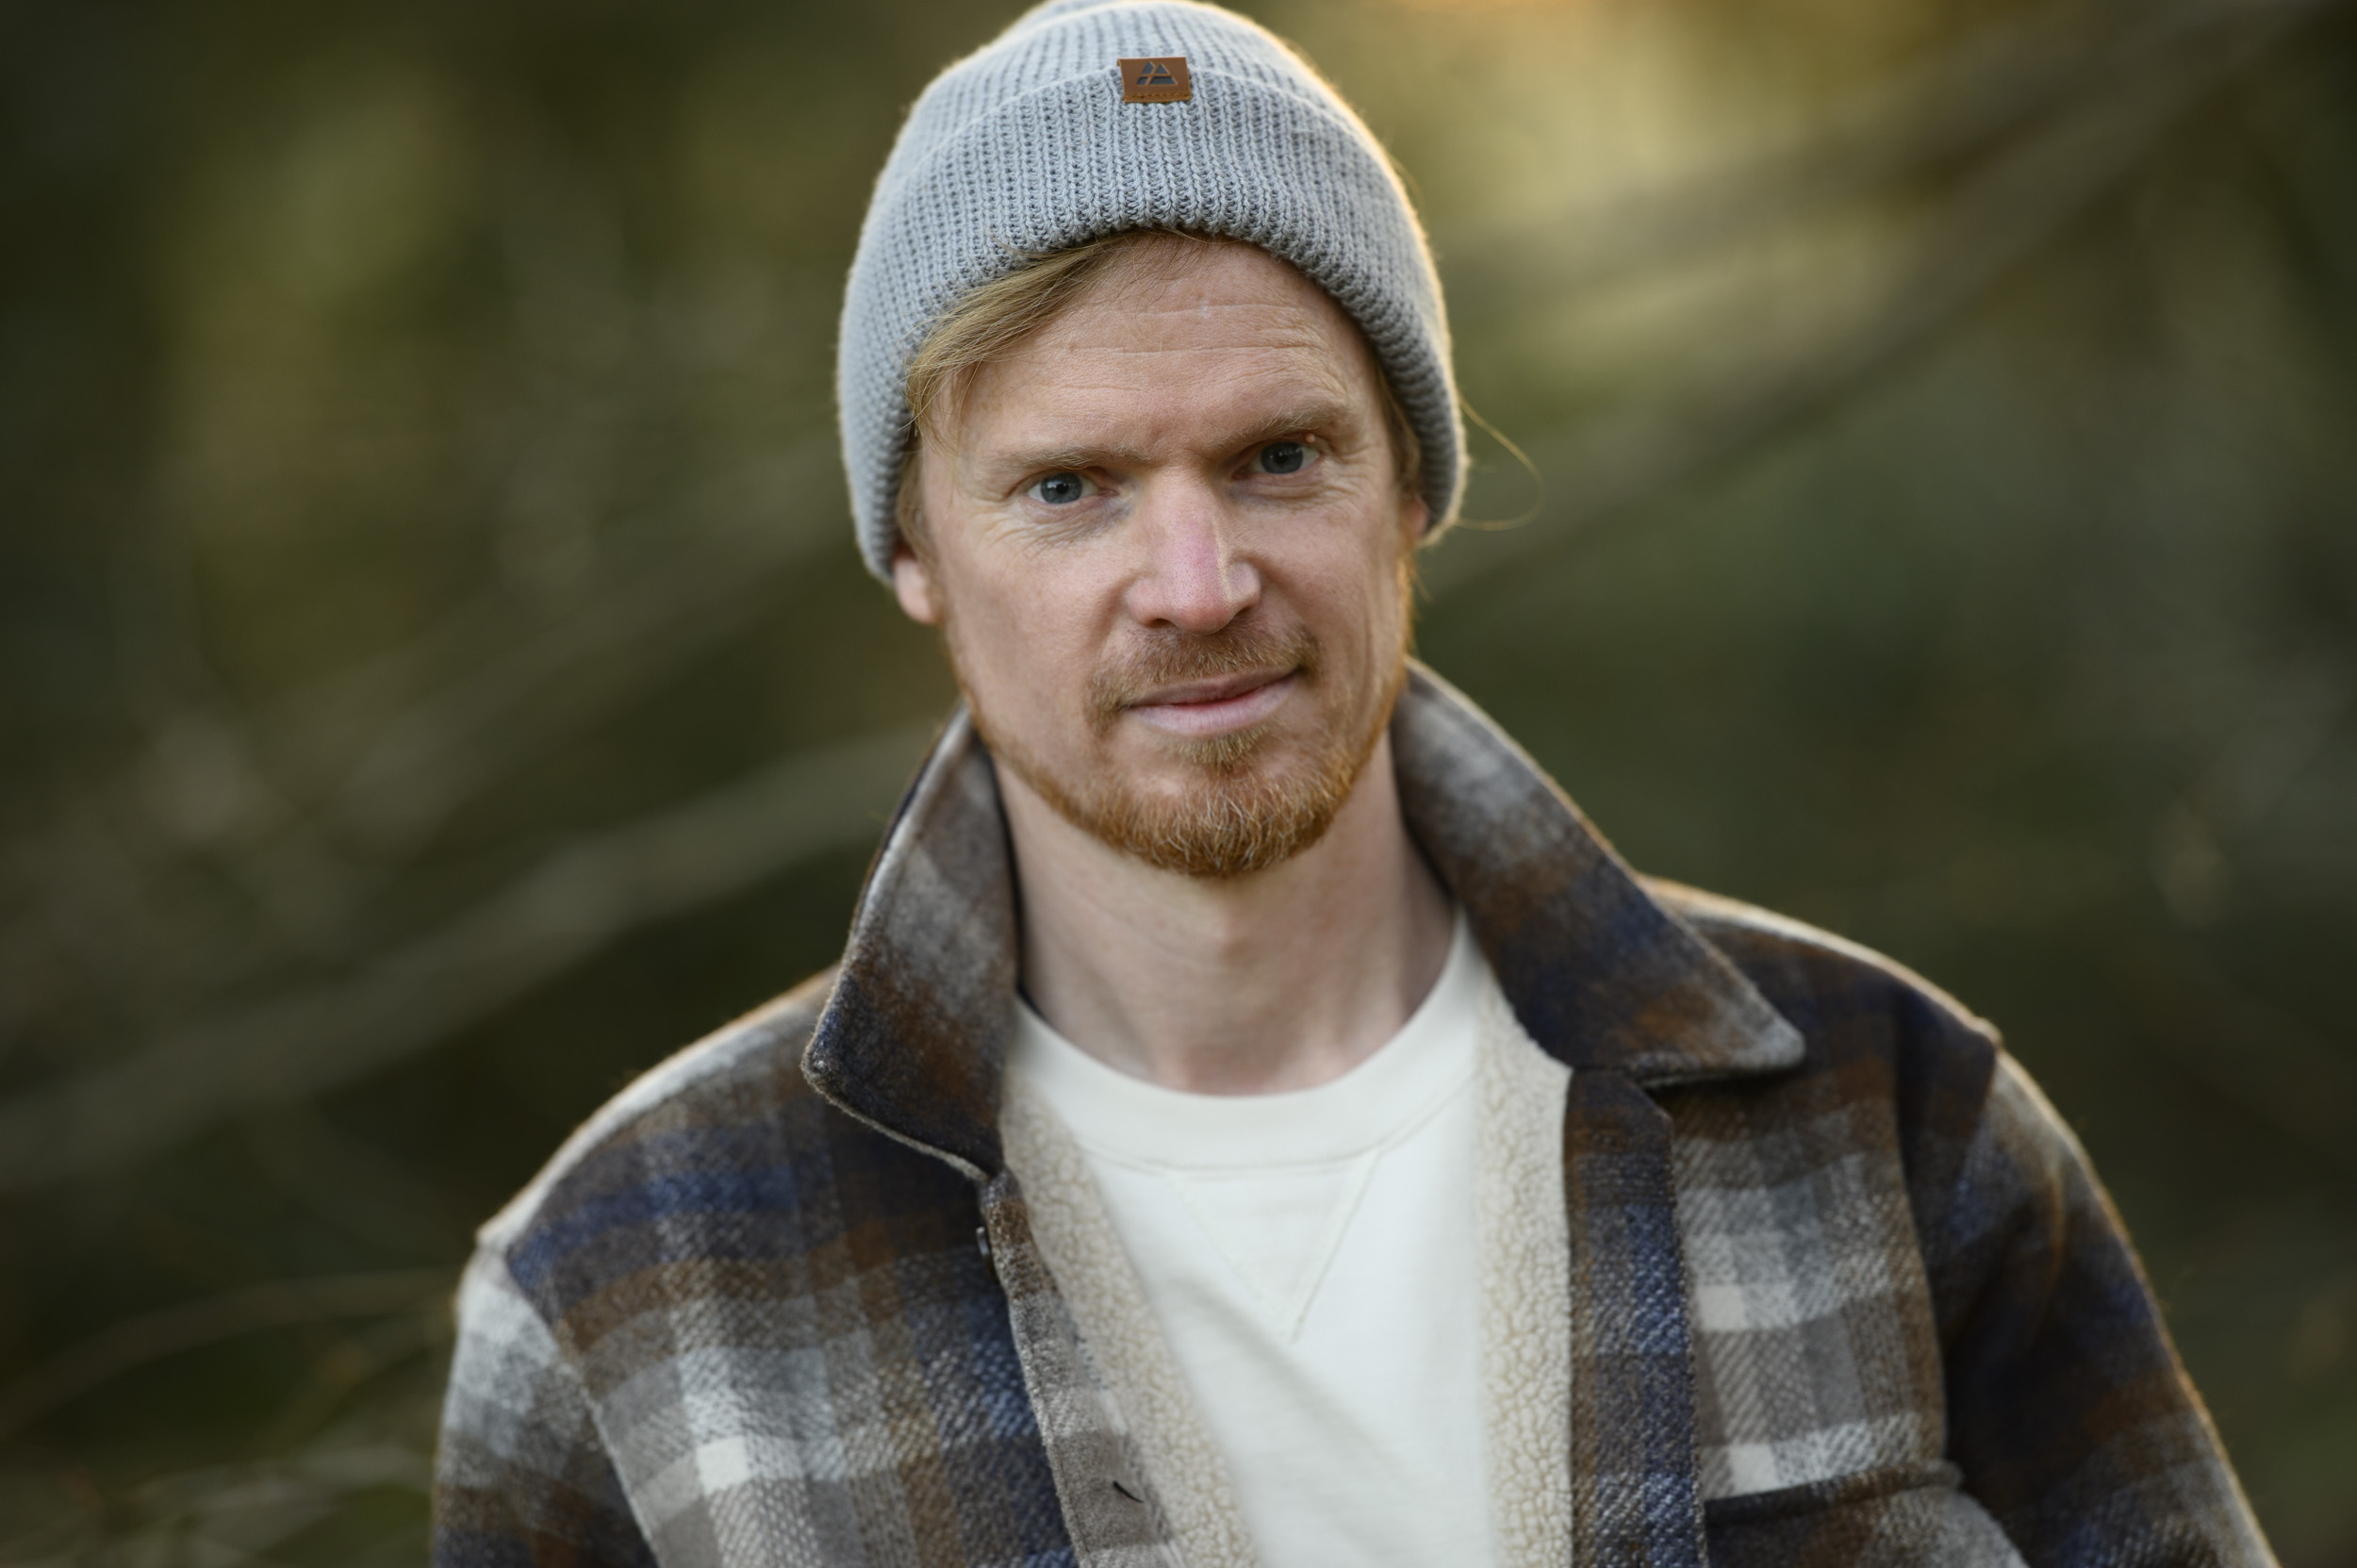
{"x": 1193, "y": 686}
{"x": 1217, "y": 688}
{"x": 1219, "y": 705}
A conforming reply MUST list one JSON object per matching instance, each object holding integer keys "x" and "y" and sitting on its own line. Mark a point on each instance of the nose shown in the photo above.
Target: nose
{"x": 1192, "y": 575}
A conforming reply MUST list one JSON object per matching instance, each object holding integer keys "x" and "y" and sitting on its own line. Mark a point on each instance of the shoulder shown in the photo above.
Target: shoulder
{"x": 1874, "y": 1032}
{"x": 720, "y": 1169}
{"x": 720, "y": 1163}
{"x": 1819, "y": 981}
{"x": 742, "y": 1073}
{"x": 1848, "y": 1001}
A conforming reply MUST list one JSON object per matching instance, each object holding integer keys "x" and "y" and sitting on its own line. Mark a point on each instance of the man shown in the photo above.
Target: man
{"x": 1256, "y": 1119}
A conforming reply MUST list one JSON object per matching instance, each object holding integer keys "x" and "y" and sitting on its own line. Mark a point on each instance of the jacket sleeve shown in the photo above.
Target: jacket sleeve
{"x": 2067, "y": 1410}
{"x": 521, "y": 1477}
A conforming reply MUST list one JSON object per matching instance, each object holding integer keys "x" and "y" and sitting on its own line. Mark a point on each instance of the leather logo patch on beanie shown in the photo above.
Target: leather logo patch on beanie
{"x": 1160, "y": 80}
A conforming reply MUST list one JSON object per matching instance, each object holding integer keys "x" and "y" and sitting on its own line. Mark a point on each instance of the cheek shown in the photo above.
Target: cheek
{"x": 1350, "y": 587}
{"x": 984, "y": 637}
{"x": 1020, "y": 640}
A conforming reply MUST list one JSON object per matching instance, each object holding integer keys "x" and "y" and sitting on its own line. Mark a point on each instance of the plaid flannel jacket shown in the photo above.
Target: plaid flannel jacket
{"x": 1844, "y": 1290}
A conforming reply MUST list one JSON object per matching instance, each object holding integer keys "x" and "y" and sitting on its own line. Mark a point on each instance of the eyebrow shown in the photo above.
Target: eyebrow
{"x": 1322, "y": 414}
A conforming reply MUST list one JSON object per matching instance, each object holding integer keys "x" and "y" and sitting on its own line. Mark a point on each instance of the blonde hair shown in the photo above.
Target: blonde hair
{"x": 999, "y": 317}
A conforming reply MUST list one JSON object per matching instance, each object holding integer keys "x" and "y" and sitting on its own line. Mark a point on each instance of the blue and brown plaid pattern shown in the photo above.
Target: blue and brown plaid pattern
{"x": 1843, "y": 1289}
{"x": 1634, "y": 1503}
{"x": 765, "y": 1332}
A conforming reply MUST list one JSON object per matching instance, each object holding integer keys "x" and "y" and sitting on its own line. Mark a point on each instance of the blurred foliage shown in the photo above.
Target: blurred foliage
{"x": 436, "y": 680}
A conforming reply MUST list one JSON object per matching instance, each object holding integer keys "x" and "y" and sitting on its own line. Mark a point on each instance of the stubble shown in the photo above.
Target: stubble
{"x": 1242, "y": 806}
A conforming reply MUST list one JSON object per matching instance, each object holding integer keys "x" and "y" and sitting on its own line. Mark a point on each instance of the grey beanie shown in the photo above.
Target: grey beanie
{"x": 1027, "y": 147}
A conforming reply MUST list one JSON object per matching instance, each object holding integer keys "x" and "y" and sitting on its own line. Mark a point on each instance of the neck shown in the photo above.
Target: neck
{"x": 1282, "y": 979}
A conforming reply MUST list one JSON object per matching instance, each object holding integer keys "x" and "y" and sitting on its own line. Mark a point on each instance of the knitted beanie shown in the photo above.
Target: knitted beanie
{"x": 1039, "y": 141}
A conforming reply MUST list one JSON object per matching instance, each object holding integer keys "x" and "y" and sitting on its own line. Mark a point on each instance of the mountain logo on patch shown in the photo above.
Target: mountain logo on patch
{"x": 1160, "y": 80}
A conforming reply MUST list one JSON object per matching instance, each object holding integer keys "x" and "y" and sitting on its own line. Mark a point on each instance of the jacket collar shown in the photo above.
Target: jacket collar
{"x": 1604, "y": 977}
{"x": 1601, "y": 975}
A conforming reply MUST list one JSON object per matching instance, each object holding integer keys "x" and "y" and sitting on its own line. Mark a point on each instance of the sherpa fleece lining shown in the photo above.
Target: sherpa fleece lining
{"x": 1525, "y": 1281}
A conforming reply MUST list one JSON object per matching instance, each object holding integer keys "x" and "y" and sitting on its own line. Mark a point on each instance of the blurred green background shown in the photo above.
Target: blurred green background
{"x": 436, "y": 680}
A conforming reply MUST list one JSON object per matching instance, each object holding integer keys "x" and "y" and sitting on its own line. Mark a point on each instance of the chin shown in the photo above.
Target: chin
{"x": 1233, "y": 805}
{"x": 1259, "y": 749}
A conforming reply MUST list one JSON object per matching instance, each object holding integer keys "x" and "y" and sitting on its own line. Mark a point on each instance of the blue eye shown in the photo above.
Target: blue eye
{"x": 1283, "y": 457}
{"x": 1060, "y": 489}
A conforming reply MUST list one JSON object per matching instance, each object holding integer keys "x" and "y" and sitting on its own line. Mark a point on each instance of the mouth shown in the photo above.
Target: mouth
{"x": 1197, "y": 710}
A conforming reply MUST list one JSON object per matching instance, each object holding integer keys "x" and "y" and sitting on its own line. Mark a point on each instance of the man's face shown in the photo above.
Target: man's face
{"x": 1169, "y": 549}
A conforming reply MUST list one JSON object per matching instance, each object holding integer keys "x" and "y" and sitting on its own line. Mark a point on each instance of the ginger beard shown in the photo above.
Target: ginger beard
{"x": 1242, "y": 806}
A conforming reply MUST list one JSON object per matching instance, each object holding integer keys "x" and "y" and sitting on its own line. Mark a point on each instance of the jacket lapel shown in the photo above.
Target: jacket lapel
{"x": 1600, "y": 974}
{"x": 1635, "y": 1501}
{"x": 915, "y": 1037}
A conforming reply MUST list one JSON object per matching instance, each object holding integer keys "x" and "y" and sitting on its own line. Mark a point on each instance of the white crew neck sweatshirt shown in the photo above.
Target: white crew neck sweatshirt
{"x": 1313, "y": 1260}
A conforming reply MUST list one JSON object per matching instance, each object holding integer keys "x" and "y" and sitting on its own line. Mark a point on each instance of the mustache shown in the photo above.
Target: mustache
{"x": 1168, "y": 656}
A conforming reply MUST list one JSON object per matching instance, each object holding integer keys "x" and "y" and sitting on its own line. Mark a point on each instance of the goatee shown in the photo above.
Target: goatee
{"x": 1245, "y": 810}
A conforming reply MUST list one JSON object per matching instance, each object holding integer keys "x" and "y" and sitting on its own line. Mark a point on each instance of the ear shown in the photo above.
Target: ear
{"x": 912, "y": 585}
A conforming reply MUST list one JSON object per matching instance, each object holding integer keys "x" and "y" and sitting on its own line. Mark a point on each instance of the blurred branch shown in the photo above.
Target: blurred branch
{"x": 376, "y": 758}
{"x": 426, "y": 760}
{"x": 641, "y": 625}
{"x": 1726, "y": 405}
{"x": 504, "y": 642}
{"x": 550, "y": 919}
{"x": 226, "y": 1515}
{"x": 1967, "y": 99}
{"x": 280, "y": 1304}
